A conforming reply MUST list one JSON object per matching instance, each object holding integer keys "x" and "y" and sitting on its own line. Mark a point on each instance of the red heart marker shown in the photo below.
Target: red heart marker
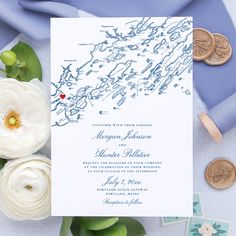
{"x": 62, "y": 96}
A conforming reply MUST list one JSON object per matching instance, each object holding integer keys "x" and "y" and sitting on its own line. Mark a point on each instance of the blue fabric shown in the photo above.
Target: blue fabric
{"x": 33, "y": 17}
{"x": 214, "y": 84}
{"x": 52, "y": 8}
{"x": 7, "y": 34}
{"x": 28, "y": 15}
{"x": 130, "y": 7}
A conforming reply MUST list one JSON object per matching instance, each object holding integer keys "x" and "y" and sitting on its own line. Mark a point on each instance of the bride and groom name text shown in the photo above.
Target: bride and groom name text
{"x": 128, "y": 152}
{"x": 131, "y": 134}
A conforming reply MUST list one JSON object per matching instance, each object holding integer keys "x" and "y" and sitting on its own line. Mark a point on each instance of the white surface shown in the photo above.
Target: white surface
{"x": 216, "y": 204}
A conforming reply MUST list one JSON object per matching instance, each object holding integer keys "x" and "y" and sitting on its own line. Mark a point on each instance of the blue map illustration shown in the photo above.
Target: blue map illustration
{"x": 138, "y": 57}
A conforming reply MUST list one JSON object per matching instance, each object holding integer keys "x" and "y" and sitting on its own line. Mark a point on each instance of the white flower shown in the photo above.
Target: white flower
{"x": 207, "y": 230}
{"x": 25, "y": 188}
{"x": 24, "y": 117}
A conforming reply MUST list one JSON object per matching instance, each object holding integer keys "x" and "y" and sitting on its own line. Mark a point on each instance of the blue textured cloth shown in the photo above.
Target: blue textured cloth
{"x": 214, "y": 84}
{"x": 33, "y": 17}
{"x": 130, "y": 7}
{"x": 7, "y": 34}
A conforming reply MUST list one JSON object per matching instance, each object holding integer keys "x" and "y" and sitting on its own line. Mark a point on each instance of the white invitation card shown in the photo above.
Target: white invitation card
{"x": 121, "y": 100}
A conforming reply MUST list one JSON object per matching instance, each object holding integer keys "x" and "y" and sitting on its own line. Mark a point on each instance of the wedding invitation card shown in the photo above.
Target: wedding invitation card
{"x": 121, "y": 100}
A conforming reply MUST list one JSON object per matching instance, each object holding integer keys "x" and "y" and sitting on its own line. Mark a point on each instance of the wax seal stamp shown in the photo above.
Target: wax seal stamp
{"x": 203, "y": 44}
{"x": 220, "y": 173}
{"x": 222, "y": 52}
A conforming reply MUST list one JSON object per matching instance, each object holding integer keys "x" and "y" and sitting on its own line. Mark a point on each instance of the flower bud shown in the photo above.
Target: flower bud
{"x": 8, "y": 58}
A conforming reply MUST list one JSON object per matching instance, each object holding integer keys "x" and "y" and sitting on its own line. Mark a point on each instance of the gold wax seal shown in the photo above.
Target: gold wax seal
{"x": 220, "y": 173}
{"x": 222, "y": 52}
{"x": 203, "y": 44}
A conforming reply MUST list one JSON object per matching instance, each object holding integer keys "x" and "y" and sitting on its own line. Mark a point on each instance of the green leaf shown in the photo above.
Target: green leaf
{"x": 117, "y": 229}
{"x": 2, "y": 163}
{"x": 26, "y": 54}
{"x": 13, "y": 72}
{"x": 134, "y": 228}
{"x": 65, "y": 226}
{"x": 78, "y": 230}
{"x": 75, "y": 227}
{"x": 85, "y": 232}
{"x": 97, "y": 223}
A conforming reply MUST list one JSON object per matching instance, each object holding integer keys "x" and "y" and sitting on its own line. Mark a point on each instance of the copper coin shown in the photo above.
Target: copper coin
{"x": 220, "y": 173}
{"x": 222, "y": 52}
{"x": 203, "y": 44}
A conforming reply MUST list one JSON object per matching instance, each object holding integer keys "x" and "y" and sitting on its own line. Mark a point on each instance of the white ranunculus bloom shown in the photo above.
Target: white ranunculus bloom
{"x": 24, "y": 117}
{"x": 207, "y": 230}
{"x": 25, "y": 188}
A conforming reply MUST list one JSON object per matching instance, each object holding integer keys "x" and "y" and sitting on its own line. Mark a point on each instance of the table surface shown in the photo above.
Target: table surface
{"x": 216, "y": 204}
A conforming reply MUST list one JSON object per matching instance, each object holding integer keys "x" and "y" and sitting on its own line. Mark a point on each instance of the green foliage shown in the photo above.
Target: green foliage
{"x": 65, "y": 226}
{"x": 97, "y": 223}
{"x": 21, "y": 63}
{"x": 101, "y": 226}
{"x": 78, "y": 230}
{"x": 85, "y": 232}
{"x": 75, "y": 227}
{"x": 134, "y": 228}
{"x": 117, "y": 229}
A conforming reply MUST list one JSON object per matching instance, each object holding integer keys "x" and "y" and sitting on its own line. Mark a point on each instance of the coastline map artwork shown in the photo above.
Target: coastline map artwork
{"x": 140, "y": 58}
